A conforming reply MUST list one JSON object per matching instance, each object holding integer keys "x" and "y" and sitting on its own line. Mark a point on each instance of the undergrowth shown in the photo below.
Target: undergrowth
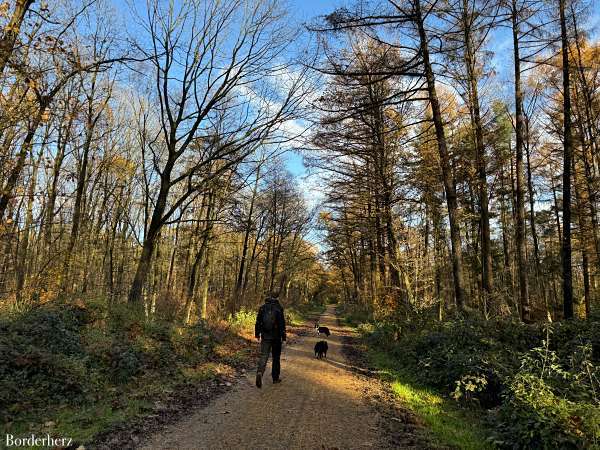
{"x": 537, "y": 386}
{"x": 77, "y": 368}
{"x": 74, "y": 369}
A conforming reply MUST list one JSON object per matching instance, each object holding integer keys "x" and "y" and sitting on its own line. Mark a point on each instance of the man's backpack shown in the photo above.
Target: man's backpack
{"x": 269, "y": 317}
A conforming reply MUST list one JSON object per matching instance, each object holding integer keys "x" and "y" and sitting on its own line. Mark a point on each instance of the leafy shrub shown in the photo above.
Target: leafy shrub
{"x": 125, "y": 362}
{"x": 540, "y": 384}
{"x": 63, "y": 353}
{"x": 299, "y": 312}
{"x": 195, "y": 342}
{"x": 41, "y": 356}
{"x": 553, "y": 401}
{"x": 469, "y": 386}
{"x": 242, "y": 320}
{"x": 354, "y": 314}
{"x": 446, "y": 353}
{"x": 123, "y": 318}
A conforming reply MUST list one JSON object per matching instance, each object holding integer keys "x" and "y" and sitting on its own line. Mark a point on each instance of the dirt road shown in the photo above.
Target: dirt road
{"x": 319, "y": 405}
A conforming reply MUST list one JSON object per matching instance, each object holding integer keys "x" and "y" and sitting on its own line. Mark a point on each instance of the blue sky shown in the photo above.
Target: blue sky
{"x": 305, "y": 11}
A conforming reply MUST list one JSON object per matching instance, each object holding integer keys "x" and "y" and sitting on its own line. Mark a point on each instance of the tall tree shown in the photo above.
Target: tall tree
{"x": 567, "y": 270}
{"x": 186, "y": 39}
{"x": 515, "y": 18}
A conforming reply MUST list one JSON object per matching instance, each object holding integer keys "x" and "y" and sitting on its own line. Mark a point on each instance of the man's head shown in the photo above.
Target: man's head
{"x": 273, "y": 295}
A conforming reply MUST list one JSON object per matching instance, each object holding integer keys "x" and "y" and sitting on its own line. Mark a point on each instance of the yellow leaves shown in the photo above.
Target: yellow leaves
{"x": 122, "y": 167}
{"x": 4, "y": 7}
{"x": 325, "y": 216}
{"x": 590, "y": 55}
{"x": 584, "y": 58}
{"x": 108, "y": 112}
{"x": 575, "y": 424}
{"x": 6, "y": 226}
{"x": 449, "y": 102}
{"x": 397, "y": 123}
{"x": 30, "y": 97}
{"x": 48, "y": 296}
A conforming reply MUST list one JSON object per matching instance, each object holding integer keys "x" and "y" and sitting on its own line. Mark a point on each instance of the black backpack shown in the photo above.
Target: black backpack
{"x": 269, "y": 317}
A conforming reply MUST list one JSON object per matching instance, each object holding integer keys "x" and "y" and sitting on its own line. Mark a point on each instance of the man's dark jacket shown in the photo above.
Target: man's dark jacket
{"x": 279, "y": 330}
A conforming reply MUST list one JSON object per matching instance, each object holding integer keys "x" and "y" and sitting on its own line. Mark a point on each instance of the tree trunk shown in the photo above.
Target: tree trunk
{"x": 145, "y": 260}
{"x": 11, "y": 31}
{"x": 520, "y": 207}
{"x": 205, "y": 286}
{"x": 15, "y": 173}
{"x": 78, "y": 209}
{"x": 238, "y": 291}
{"x": 22, "y": 268}
{"x": 486, "y": 253}
{"x": 447, "y": 177}
{"x": 567, "y": 270}
{"x": 583, "y": 236}
{"x": 52, "y": 192}
{"x": 171, "y": 277}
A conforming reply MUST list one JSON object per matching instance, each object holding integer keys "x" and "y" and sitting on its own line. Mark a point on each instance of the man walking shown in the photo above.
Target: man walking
{"x": 270, "y": 331}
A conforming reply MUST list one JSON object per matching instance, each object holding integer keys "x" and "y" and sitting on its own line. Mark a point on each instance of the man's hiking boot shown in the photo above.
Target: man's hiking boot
{"x": 259, "y": 380}
{"x": 278, "y": 380}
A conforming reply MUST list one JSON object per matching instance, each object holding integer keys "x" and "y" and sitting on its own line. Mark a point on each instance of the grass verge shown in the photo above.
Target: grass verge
{"x": 448, "y": 423}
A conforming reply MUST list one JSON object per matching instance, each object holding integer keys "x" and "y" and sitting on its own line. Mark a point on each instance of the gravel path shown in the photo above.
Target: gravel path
{"x": 320, "y": 404}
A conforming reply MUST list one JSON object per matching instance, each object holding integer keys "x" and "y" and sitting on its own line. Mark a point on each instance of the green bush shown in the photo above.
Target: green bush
{"x": 43, "y": 359}
{"x": 194, "y": 343}
{"x": 301, "y": 312}
{"x": 87, "y": 367}
{"x": 125, "y": 362}
{"x": 446, "y": 353}
{"x": 540, "y": 384}
{"x": 65, "y": 354}
{"x": 354, "y": 314}
{"x": 550, "y": 403}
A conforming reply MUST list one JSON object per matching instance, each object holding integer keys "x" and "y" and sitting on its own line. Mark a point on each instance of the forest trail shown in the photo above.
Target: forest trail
{"x": 319, "y": 405}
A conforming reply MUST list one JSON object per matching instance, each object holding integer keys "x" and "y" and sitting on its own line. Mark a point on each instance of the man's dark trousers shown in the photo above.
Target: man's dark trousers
{"x": 270, "y": 346}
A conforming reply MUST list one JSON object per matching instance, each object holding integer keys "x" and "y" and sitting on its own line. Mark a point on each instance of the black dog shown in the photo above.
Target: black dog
{"x": 321, "y": 349}
{"x": 323, "y": 330}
